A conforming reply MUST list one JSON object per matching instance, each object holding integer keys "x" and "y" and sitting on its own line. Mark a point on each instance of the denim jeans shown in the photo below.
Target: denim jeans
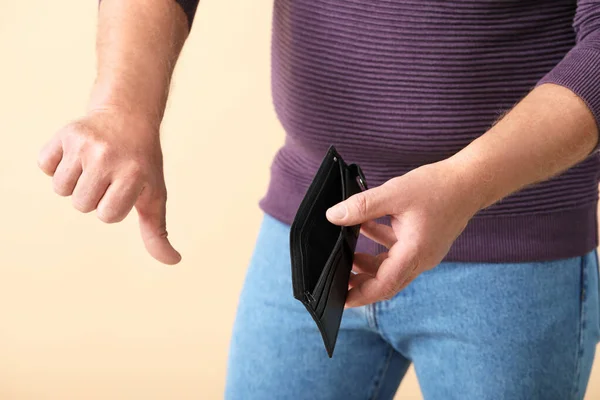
{"x": 472, "y": 330}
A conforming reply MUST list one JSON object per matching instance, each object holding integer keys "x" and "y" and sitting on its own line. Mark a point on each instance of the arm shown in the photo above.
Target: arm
{"x": 110, "y": 160}
{"x": 553, "y": 128}
{"x": 548, "y": 132}
{"x": 138, "y": 44}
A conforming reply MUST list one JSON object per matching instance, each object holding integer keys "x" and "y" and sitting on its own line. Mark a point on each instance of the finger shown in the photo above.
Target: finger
{"x": 153, "y": 227}
{"x": 379, "y": 233}
{"x": 118, "y": 200}
{"x": 361, "y": 207}
{"x": 357, "y": 279}
{"x": 50, "y": 156}
{"x": 391, "y": 277}
{"x": 90, "y": 188}
{"x": 409, "y": 280}
{"x": 367, "y": 263}
{"x": 354, "y": 297}
{"x": 66, "y": 175}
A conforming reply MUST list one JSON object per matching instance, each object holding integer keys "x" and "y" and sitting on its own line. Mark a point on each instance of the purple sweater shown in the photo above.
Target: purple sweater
{"x": 396, "y": 84}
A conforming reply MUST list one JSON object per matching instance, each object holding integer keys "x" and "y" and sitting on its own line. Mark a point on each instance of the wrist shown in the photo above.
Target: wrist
{"x": 115, "y": 119}
{"x": 472, "y": 180}
{"x": 141, "y": 103}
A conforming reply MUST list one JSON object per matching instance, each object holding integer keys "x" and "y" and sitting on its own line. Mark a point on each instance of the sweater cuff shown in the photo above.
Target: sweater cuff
{"x": 579, "y": 71}
{"x": 189, "y": 7}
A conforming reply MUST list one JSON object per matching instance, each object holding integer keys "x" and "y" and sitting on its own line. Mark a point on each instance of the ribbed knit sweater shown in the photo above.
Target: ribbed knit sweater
{"x": 396, "y": 84}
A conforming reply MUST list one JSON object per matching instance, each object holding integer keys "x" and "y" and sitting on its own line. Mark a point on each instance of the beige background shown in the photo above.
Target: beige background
{"x": 84, "y": 312}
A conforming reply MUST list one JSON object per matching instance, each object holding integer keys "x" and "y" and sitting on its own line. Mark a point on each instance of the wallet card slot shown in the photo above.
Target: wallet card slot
{"x": 304, "y": 224}
{"x": 328, "y": 270}
{"x": 322, "y": 301}
{"x": 339, "y": 262}
{"x": 319, "y": 236}
{"x": 332, "y": 308}
{"x": 349, "y": 186}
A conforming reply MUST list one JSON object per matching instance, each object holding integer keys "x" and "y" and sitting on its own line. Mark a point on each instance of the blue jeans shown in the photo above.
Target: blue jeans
{"x": 473, "y": 331}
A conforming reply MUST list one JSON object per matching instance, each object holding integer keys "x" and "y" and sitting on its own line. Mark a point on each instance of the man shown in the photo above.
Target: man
{"x": 481, "y": 268}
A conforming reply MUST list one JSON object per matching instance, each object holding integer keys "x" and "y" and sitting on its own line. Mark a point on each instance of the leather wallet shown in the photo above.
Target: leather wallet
{"x": 321, "y": 252}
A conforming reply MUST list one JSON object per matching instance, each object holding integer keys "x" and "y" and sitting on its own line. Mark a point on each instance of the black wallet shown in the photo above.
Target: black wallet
{"x": 322, "y": 253}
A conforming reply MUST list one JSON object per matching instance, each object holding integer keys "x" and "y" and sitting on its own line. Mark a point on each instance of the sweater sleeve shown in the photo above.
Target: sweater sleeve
{"x": 579, "y": 70}
{"x": 189, "y": 7}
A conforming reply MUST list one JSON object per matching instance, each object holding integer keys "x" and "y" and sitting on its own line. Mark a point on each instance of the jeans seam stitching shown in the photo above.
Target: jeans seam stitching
{"x": 374, "y": 315}
{"x": 582, "y": 313}
{"x": 371, "y": 317}
{"x": 382, "y": 371}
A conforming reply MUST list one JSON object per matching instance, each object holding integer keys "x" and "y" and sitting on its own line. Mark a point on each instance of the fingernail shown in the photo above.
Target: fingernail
{"x": 337, "y": 212}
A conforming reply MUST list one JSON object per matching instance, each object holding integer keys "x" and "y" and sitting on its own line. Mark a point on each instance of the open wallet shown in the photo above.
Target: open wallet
{"x": 321, "y": 252}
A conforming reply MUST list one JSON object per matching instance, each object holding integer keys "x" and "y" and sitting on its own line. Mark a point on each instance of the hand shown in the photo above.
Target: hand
{"x": 110, "y": 161}
{"x": 428, "y": 207}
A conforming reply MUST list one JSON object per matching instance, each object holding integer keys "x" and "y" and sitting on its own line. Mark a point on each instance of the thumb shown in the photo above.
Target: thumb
{"x": 361, "y": 207}
{"x": 153, "y": 227}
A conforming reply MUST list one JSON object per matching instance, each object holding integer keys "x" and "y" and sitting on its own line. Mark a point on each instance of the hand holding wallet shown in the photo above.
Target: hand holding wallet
{"x": 322, "y": 253}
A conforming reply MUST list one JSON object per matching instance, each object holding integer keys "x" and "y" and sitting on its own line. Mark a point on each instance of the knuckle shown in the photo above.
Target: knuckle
{"x": 388, "y": 291}
{"x": 99, "y": 152}
{"x": 416, "y": 257}
{"x": 162, "y": 195}
{"x": 43, "y": 164}
{"x": 157, "y": 193}
{"x": 135, "y": 171}
{"x": 108, "y": 216}
{"x": 416, "y": 262}
{"x": 82, "y": 205}
{"x": 361, "y": 204}
{"x": 74, "y": 134}
{"x": 76, "y": 129}
{"x": 61, "y": 191}
{"x": 61, "y": 188}
{"x": 42, "y": 160}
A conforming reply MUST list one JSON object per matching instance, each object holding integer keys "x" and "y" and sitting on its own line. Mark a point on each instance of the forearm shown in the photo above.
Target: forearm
{"x": 549, "y": 131}
{"x": 138, "y": 44}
